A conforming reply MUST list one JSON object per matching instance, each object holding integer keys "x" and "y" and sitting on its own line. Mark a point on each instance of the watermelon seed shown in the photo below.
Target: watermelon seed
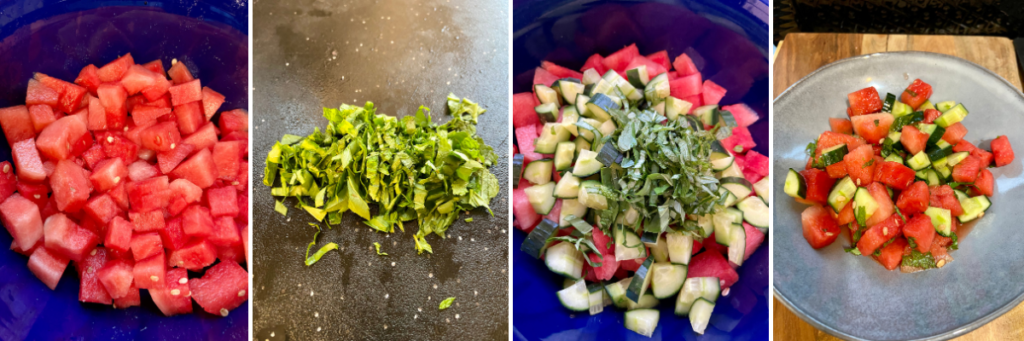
{"x": 110, "y": 139}
{"x": 172, "y": 145}
{"x": 183, "y": 280}
{"x": 175, "y": 292}
{"x": 7, "y": 168}
{"x": 154, "y": 278}
{"x": 223, "y": 312}
{"x": 68, "y": 145}
{"x": 242, "y": 293}
{"x": 117, "y": 179}
{"x": 36, "y": 196}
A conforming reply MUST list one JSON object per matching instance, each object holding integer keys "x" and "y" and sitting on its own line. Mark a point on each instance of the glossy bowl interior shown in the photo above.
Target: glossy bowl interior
{"x": 855, "y": 297}
{"x": 59, "y": 38}
{"x": 733, "y": 45}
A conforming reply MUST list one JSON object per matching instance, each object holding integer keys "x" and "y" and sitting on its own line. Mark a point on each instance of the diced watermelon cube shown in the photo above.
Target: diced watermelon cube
{"x": 113, "y": 98}
{"x": 196, "y": 221}
{"x": 190, "y": 117}
{"x": 161, "y": 137}
{"x": 245, "y": 242}
{"x": 712, "y": 93}
{"x": 195, "y": 255}
{"x": 147, "y": 221}
{"x": 915, "y": 94}
{"x": 754, "y": 239}
{"x": 820, "y": 229}
{"x": 212, "y": 101}
{"x": 894, "y": 174}
{"x": 119, "y": 235}
{"x": 225, "y": 232}
{"x": 234, "y": 120}
{"x": 840, "y": 125}
{"x": 954, "y": 133}
{"x": 620, "y": 59}
{"x": 223, "y": 201}
{"x": 97, "y": 115}
{"x": 47, "y": 266}
{"x": 756, "y": 162}
{"x": 205, "y": 137}
{"x": 27, "y": 161}
{"x": 224, "y": 287}
{"x": 930, "y": 115}
{"x": 686, "y": 86}
{"x": 541, "y": 76}
{"x": 41, "y": 115}
{"x": 864, "y": 101}
{"x": 23, "y": 251}
{"x": 149, "y": 273}
{"x": 102, "y": 208}
{"x": 8, "y": 182}
{"x": 596, "y": 62}
{"x": 914, "y": 199}
{"x": 138, "y": 78}
{"x": 712, "y": 264}
{"x": 985, "y": 183}
{"x": 653, "y": 68}
{"x": 526, "y": 217}
{"x": 70, "y": 185}
{"x": 113, "y": 71}
{"x": 120, "y": 195}
{"x": 187, "y": 92}
{"x": 1002, "y": 151}
{"x": 90, "y": 289}
{"x": 872, "y": 127}
{"x": 145, "y": 114}
{"x": 661, "y": 57}
{"x": 107, "y": 174}
{"x": 89, "y": 78}
{"x": 142, "y": 170}
{"x": 131, "y": 299}
{"x": 885, "y": 206}
{"x": 877, "y": 235}
{"x": 860, "y": 165}
{"x": 36, "y": 192}
{"x": 17, "y": 124}
{"x": 891, "y": 255}
{"x": 684, "y": 66}
{"x": 227, "y": 157}
{"x": 146, "y": 244}
{"x": 198, "y": 169}
{"x": 157, "y": 66}
{"x": 186, "y": 190}
{"x": 179, "y": 73}
{"x": 744, "y": 115}
{"x": 93, "y": 156}
{"x": 608, "y": 262}
{"x": 739, "y": 141}
{"x": 116, "y": 277}
{"x": 523, "y": 113}
{"x": 913, "y": 140}
{"x": 175, "y": 297}
{"x": 967, "y": 169}
{"x": 559, "y": 71}
{"x": 148, "y": 195}
{"x": 70, "y": 95}
{"x": 173, "y": 236}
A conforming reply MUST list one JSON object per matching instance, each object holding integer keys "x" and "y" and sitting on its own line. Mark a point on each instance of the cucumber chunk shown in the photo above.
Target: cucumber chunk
{"x": 755, "y": 212}
{"x": 576, "y": 297}
{"x": 700, "y": 314}
{"x": 567, "y": 188}
{"x": 587, "y": 164}
{"x": 565, "y": 260}
{"x": 795, "y": 185}
{"x": 680, "y": 246}
{"x": 642, "y": 321}
{"x": 541, "y": 197}
{"x": 564, "y": 153}
{"x": 538, "y": 172}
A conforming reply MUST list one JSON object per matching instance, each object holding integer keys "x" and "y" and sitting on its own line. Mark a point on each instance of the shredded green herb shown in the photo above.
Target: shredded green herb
{"x": 319, "y": 253}
{"x": 469, "y": 220}
{"x": 377, "y": 246}
{"x": 410, "y": 167}
{"x": 446, "y": 303}
{"x": 919, "y": 260}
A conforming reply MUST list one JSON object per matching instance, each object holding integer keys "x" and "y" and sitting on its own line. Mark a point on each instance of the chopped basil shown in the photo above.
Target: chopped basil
{"x": 919, "y": 260}
{"x": 377, "y": 246}
{"x": 446, "y": 303}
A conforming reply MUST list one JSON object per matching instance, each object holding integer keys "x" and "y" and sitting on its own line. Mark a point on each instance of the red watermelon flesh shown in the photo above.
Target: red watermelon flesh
{"x": 8, "y": 182}
{"x": 142, "y": 170}
{"x": 38, "y": 93}
{"x": 47, "y": 266}
{"x": 754, "y": 239}
{"x": 212, "y": 101}
{"x": 130, "y": 299}
{"x": 608, "y": 262}
{"x": 526, "y": 217}
{"x": 756, "y": 162}
{"x": 161, "y": 137}
{"x": 89, "y": 78}
{"x": 653, "y": 68}
{"x": 157, "y": 66}
{"x": 712, "y": 93}
{"x": 55, "y": 141}
{"x": 596, "y": 62}
{"x": 113, "y": 98}
{"x": 37, "y": 193}
{"x": 17, "y": 124}
{"x": 102, "y": 208}
{"x": 225, "y": 232}
{"x": 205, "y": 137}
{"x": 190, "y": 117}
{"x": 70, "y": 95}
{"x": 107, "y": 174}
{"x": 525, "y": 137}
{"x": 119, "y": 235}
{"x": 224, "y": 287}
{"x": 70, "y": 185}
{"x": 198, "y": 169}
{"x": 175, "y": 297}
{"x": 193, "y": 256}
{"x": 42, "y": 116}
{"x": 686, "y": 86}
{"x": 744, "y": 115}
{"x": 196, "y": 221}
{"x": 559, "y": 71}
{"x": 227, "y": 157}
{"x": 234, "y": 120}
{"x": 712, "y": 264}
{"x": 523, "y": 113}
{"x": 684, "y": 66}
{"x": 116, "y": 69}
{"x": 179, "y": 73}
{"x": 872, "y": 127}
{"x": 739, "y": 141}
{"x": 147, "y": 221}
{"x": 138, "y": 78}
{"x": 146, "y": 244}
{"x": 116, "y": 277}
{"x": 541, "y": 76}
{"x": 147, "y": 114}
{"x": 223, "y": 201}
{"x": 27, "y": 161}
{"x": 187, "y": 92}
{"x": 620, "y": 59}
{"x": 120, "y": 147}
{"x": 661, "y": 58}
{"x": 90, "y": 289}
{"x": 172, "y": 235}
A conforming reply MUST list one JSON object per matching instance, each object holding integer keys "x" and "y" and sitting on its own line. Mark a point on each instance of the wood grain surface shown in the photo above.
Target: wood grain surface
{"x": 803, "y": 53}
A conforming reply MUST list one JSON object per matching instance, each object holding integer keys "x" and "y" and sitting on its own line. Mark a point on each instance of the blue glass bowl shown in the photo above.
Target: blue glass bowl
{"x": 733, "y": 43}
{"x": 59, "y": 38}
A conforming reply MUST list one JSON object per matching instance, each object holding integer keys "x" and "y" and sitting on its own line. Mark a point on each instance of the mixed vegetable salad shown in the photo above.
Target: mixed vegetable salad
{"x": 125, "y": 174}
{"x": 635, "y": 186}
{"x": 900, "y": 175}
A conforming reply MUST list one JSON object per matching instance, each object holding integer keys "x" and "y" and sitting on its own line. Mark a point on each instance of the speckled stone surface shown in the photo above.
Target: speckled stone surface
{"x": 856, "y": 298}
{"x": 400, "y": 55}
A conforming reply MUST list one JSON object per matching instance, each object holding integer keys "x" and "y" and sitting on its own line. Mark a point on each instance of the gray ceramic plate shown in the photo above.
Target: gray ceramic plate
{"x": 855, "y": 297}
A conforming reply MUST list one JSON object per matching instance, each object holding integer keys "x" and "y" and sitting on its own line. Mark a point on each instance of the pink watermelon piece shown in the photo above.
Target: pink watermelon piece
{"x": 54, "y": 140}
{"x": 148, "y": 195}
{"x": 27, "y": 162}
{"x": 525, "y": 137}
{"x": 686, "y": 86}
{"x": 179, "y": 73}
{"x": 205, "y": 137}
{"x": 17, "y": 124}
{"x": 150, "y": 272}
{"x": 119, "y": 235}
{"x": 198, "y": 169}
{"x": 523, "y": 113}
{"x": 42, "y": 115}
{"x": 559, "y": 71}
{"x": 653, "y": 68}
{"x": 695, "y": 100}
{"x": 71, "y": 186}
{"x": 609, "y": 265}
{"x": 222, "y": 288}
{"x": 146, "y": 244}
{"x": 596, "y": 62}
{"x": 39, "y": 94}
{"x": 713, "y": 264}
{"x": 113, "y": 71}
{"x": 188, "y": 92}
{"x": 48, "y": 266}
{"x": 223, "y": 201}
{"x": 754, "y": 239}
{"x": 194, "y": 256}
{"x": 107, "y": 174}
{"x": 174, "y": 298}
{"x": 190, "y": 117}
{"x": 712, "y": 93}
{"x": 8, "y": 182}
{"x": 684, "y": 66}
{"x": 620, "y": 59}
{"x": 90, "y": 289}
{"x": 554, "y": 214}
{"x": 541, "y": 76}
{"x": 756, "y": 162}
{"x": 526, "y": 217}
{"x": 116, "y": 276}
{"x": 130, "y": 299}
{"x": 225, "y": 232}
{"x": 167, "y": 161}
{"x": 661, "y": 57}
{"x": 102, "y": 208}
{"x": 632, "y": 264}
{"x": 142, "y": 170}
{"x": 740, "y": 138}
{"x": 234, "y": 120}
{"x": 227, "y": 156}
{"x": 212, "y": 101}
{"x": 196, "y": 221}
{"x": 744, "y": 115}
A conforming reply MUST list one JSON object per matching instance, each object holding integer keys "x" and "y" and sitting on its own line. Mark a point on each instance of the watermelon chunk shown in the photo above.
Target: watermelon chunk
{"x": 225, "y": 232}
{"x": 130, "y": 299}
{"x": 90, "y": 289}
{"x": 39, "y": 94}
{"x": 175, "y": 297}
{"x": 864, "y": 101}
{"x": 198, "y": 169}
{"x": 559, "y": 71}
{"x": 118, "y": 146}
{"x": 523, "y": 113}
{"x": 195, "y": 255}
{"x": 234, "y": 120}
{"x": 227, "y": 156}
{"x": 877, "y": 235}
{"x": 754, "y": 239}
{"x": 891, "y": 255}
{"x": 70, "y": 95}
{"x": 712, "y": 93}
{"x": 113, "y": 71}
{"x": 894, "y": 174}
{"x": 116, "y": 277}
{"x": 107, "y": 174}
{"x": 744, "y": 115}
{"x": 186, "y": 92}
{"x": 147, "y": 221}
{"x": 820, "y": 229}
{"x": 967, "y": 169}
{"x": 196, "y": 221}
{"x": 985, "y": 183}
{"x": 684, "y": 66}
{"x": 223, "y": 201}
{"x": 71, "y": 186}
{"x": 37, "y": 193}
{"x": 661, "y": 58}
{"x": 173, "y": 236}
{"x": 17, "y": 124}
{"x": 119, "y": 235}
{"x": 8, "y": 182}
{"x": 27, "y": 161}
{"x": 860, "y": 165}
{"x": 915, "y": 94}
{"x": 913, "y": 140}
{"x": 620, "y": 59}
{"x": 653, "y": 68}
{"x": 138, "y": 78}
{"x": 954, "y": 133}
{"x": 47, "y": 266}
{"x": 113, "y": 98}
{"x": 608, "y": 262}
{"x": 102, "y": 208}
{"x": 885, "y": 206}
{"x": 740, "y": 140}
{"x": 595, "y": 62}
{"x": 712, "y": 264}
{"x": 148, "y": 195}
{"x": 526, "y": 217}
{"x": 1002, "y": 151}
{"x": 756, "y": 162}
{"x": 41, "y": 115}
{"x": 872, "y": 127}
{"x": 147, "y": 114}
{"x": 245, "y": 242}
{"x": 914, "y": 199}
{"x": 205, "y": 137}
{"x": 190, "y": 117}
{"x": 157, "y": 66}
{"x": 146, "y": 244}
{"x": 161, "y": 137}
{"x": 686, "y": 86}
{"x": 840, "y": 125}
{"x": 541, "y": 76}
{"x": 224, "y": 287}
{"x": 89, "y": 78}
{"x": 149, "y": 273}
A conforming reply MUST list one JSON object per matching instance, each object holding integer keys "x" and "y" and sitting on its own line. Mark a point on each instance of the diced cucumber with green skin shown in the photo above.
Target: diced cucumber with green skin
{"x": 941, "y": 219}
{"x": 755, "y": 212}
{"x": 680, "y": 246}
{"x": 565, "y": 260}
{"x": 624, "y": 237}
{"x": 795, "y": 185}
{"x": 567, "y": 188}
{"x": 569, "y": 90}
{"x": 538, "y": 172}
{"x": 761, "y": 187}
{"x": 722, "y": 164}
{"x": 545, "y": 94}
{"x": 638, "y": 76}
{"x": 900, "y": 109}
{"x": 974, "y": 207}
{"x": 955, "y": 158}
{"x": 700, "y": 314}
{"x": 735, "y": 214}
{"x": 833, "y": 155}
{"x": 919, "y": 161}
{"x": 694, "y": 288}
{"x": 709, "y": 114}
{"x": 570, "y": 207}
{"x": 739, "y": 186}
{"x": 607, "y": 128}
{"x": 617, "y": 292}
{"x": 641, "y": 281}
{"x": 547, "y": 112}
{"x": 894, "y": 158}
{"x": 517, "y": 169}
{"x": 940, "y": 150}
{"x": 932, "y": 178}
{"x": 952, "y": 116}
{"x": 642, "y": 321}
{"x": 659, "y": 108}
{"x": 738, "y": 243}
{"x": 659, "y": 248}
{"x": 888, "y": 102}
{"x": 590, "y": 76}
{"x": 581, "y": 105}
{"x": 541, "y": 197}
{"x": 899, "y": 123}
{"x": 647, "y": 301}
{"x": 706, "y": 223}
{"x": 628, "y": 217}
{"x": 841, "y": 194}
{"x": 944, "y": 172}
{"x": 960, "y": 195}
{"x": 598, "y": 298}
{"x": 576, "y": 297}
{"x": 926, "y": 105}
{"x": 864, "y": 205}
{"x": 729, "y": 199}
{"x": 569, "y": 118}
{"x": 667, "y": 279}
{"x": 693, "y": 122}
{"x": 599, "y": 106}
{"x": 723, "y": 223}
{"x": 935, "y": 136}
{"x": 675, "y": 107}
{"x": 587, "y": 134}
{"x": 586, "y": 164}
{"x": 590, "y": 198}
{"x": 581, "y": 144}
{"x": 564, "y": 153}
{"x": 895, "y": 136}
{"x": 945, "y": 105}
{"x": 701, "y": 111}
{"x": 600, "y": 86}
{"x": 550, "y": 135}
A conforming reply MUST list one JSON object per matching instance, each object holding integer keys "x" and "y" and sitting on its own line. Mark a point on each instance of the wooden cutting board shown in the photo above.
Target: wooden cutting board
{"x": 802, "y": 53}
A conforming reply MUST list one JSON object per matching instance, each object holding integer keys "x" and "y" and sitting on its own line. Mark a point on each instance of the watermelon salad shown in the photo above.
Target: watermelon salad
{"x": 634, "y": 185}
{"x": 900, "y": 175}
{"x": 124, "y": 175}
